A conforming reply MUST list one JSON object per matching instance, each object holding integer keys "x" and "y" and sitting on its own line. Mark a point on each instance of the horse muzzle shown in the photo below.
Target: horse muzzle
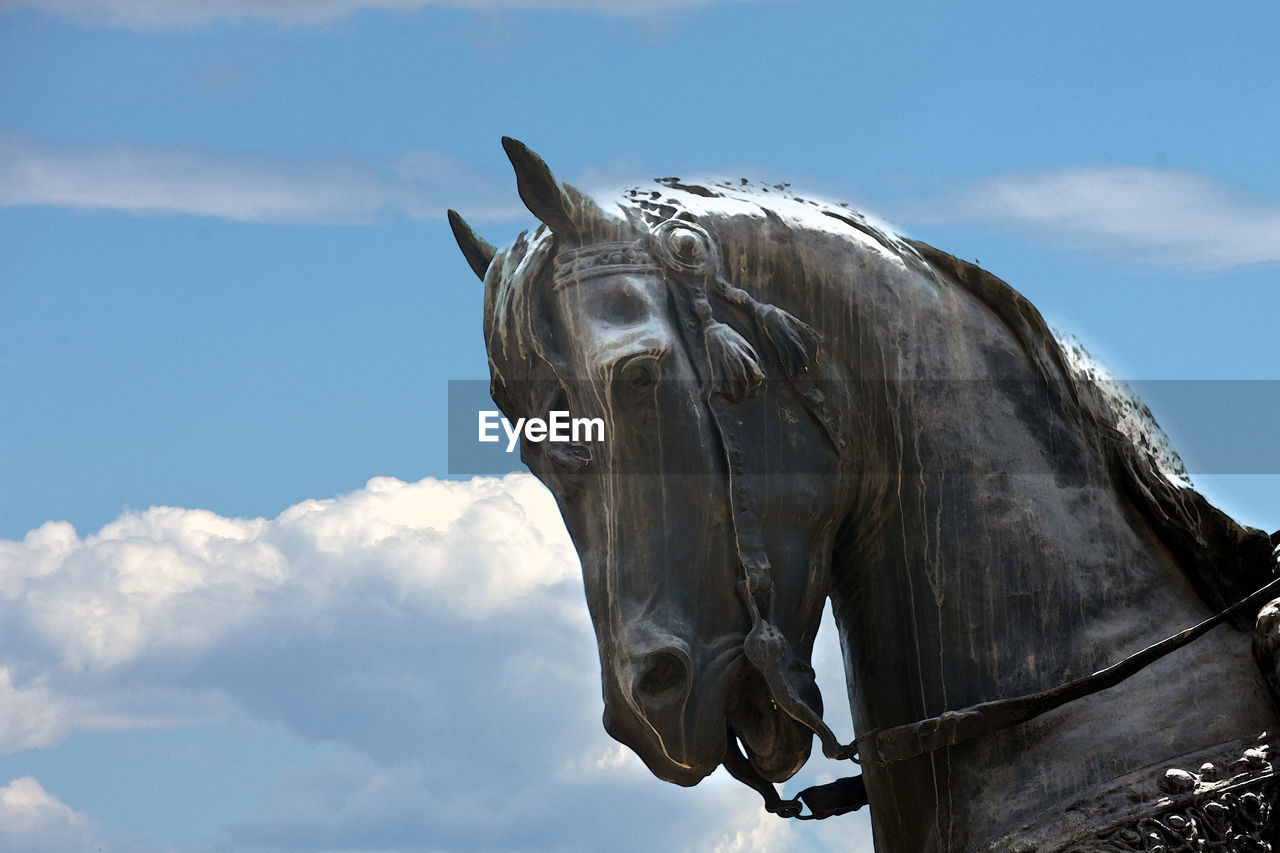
{"x": 675, "y": 716}
{"x": 776, "y": 744}
{"x": 656, "y": 706}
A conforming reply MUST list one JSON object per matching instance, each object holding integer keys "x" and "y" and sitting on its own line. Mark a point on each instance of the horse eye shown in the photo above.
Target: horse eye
{"x": 639, "y": 372}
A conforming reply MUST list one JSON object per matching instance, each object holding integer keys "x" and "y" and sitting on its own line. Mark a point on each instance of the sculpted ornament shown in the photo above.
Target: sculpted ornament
{"x": 1043, "y": 624}
{"x": 1211, "y": 808}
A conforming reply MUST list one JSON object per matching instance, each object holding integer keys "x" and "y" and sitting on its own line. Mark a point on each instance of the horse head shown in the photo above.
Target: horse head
{"x": 705, "y": 602}
{"x": 928, "y": 457}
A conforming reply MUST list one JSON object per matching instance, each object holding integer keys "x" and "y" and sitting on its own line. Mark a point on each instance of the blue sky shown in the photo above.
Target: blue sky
{"x": 242, "y": 605}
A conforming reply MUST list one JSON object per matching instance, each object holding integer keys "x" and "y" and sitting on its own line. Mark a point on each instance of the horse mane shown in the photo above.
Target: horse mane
{"x": 1223, "y": 560}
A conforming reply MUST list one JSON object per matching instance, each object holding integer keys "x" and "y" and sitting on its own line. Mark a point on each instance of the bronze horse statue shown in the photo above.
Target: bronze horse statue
{"x": 801, "y": 405}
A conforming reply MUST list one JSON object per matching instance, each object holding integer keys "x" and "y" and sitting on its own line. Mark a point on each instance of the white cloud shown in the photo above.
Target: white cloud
{"x": 147, "y": 15}
{"x": 32, "y": 717}
{"x": 1165, "y": 217}
{"x": 430, "y": 638}
{"x": 87, "y": 616}
{"x": 140, "y": 178}
{"x": 34, "y": 821}
{"x": 760, "y": 831}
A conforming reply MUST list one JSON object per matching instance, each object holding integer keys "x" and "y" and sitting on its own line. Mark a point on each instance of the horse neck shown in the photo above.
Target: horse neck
{"x": 988, "y": 554}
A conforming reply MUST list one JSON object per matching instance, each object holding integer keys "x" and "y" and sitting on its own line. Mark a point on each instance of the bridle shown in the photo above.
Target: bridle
{"x": 689, "y": 260}
{"x": 768, "y": 650}
{"x": 787, "y": 676}
{"x": 885, "y": 746}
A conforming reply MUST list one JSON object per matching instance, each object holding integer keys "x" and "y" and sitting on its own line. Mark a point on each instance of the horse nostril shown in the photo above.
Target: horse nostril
{"x": 664, "y": 678}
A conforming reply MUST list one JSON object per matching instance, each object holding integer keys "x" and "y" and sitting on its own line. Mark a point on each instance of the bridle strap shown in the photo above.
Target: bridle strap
{"x": 834, "y": 798}
{"x": 899, "y": 743}
{"x": 786, "y": 675}
{"x": 883, "y": 747}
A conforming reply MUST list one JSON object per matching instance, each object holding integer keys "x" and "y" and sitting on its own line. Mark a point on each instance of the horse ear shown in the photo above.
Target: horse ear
{"x": 539, "y": 189}
{"x": 478, "y": 252}
{"x": 564, "y": 209}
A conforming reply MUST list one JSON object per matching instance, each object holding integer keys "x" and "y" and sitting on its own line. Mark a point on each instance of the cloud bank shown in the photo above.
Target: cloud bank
{"x": 90, "y": 619}
{"x": 147, "y": 15}
{"x": 140, "y": 178}
{"x": 1167, "y": 218}
{"x": 1164, "y": 217}
{"x": 432, "y": 636}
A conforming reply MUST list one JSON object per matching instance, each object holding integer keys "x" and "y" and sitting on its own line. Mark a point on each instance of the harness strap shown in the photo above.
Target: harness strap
{"x": 887, "y": 746}
{"x": 786, "y": 675}
{"x": 834, "y": 798}
{"x": 899, "y": 743}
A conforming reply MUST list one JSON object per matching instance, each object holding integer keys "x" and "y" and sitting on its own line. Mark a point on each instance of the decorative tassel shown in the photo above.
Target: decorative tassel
{"x": 692, "y": 261}
{"x": 735, "y": 367}
{"x": 794, "y": 341}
